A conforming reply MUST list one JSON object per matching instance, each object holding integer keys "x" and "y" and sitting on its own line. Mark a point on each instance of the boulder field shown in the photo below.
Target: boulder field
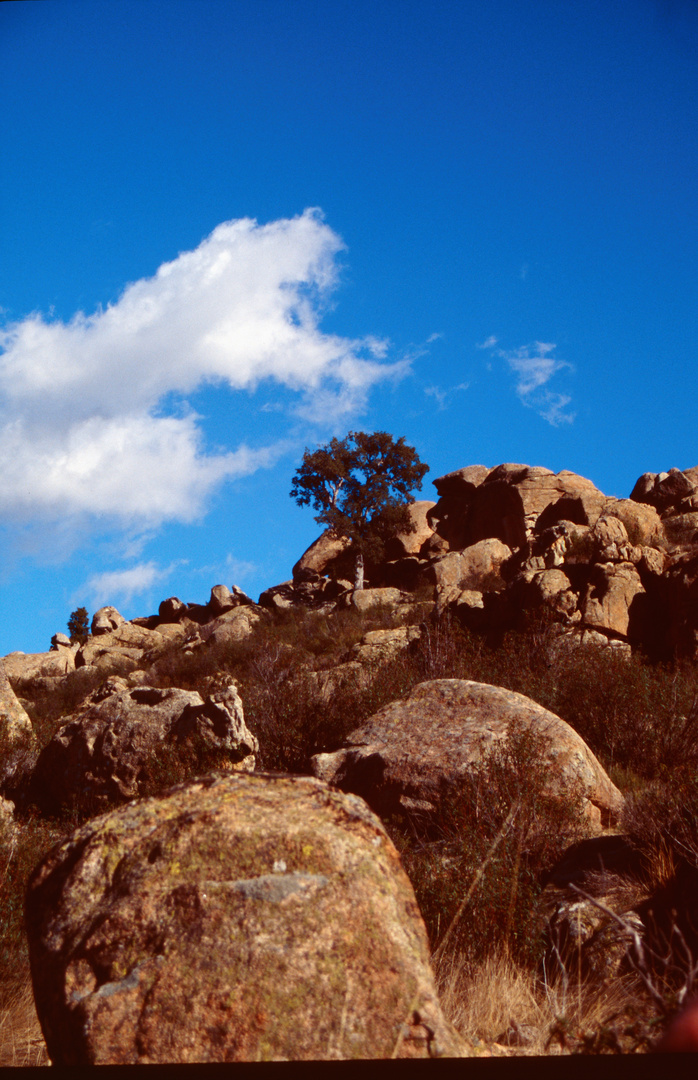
{"x": 255, "y": 916}
{"x": 497, "y": 543}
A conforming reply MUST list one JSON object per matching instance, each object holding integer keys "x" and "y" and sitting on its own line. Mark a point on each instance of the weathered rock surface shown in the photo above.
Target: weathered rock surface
{"x": 321, "y": 555}
{"x": 366, "y": 599}
{"x": 233, "y": 625}
{"x": 461, "y": 481}
{"x": 477, "y": 567}
{"x": 613, "y": 601}
{"x": 666, "y": 490}
{"x": 60, "y": 641}
{"x": 132, "y": 640}
{"x": 15, "y": 725}
{"x": 642, "y": 523}
{"x": 105, "y": 620}
{"x": 221, "y": 600}
{"x": 280, "y": 597}
{"x": 171, "y": 610}
{"x": 24, "y": 667}
{"x": 409, "y": 543}
{"x": 416, "y": 748}
{"x": 105, "y": 751}
{"x": 18, "y": 746}
{"x": 239, "y": 918}
{"x": 512, "y": 498}
{"x": 377, "y": 646}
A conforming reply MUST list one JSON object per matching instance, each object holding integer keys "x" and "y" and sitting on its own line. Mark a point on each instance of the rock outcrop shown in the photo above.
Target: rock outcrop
{"x": 15, "y": 725}
{"x": 105, "y": 620}
{"x": 238, "y": 918}
{"x": 416, "y": 750}
{"x": 21, "y": 668}
{"x": 106, "y": 752}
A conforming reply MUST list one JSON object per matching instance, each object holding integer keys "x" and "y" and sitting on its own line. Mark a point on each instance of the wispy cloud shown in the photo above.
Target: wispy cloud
{"x": 120, "y": 586}
{"x": 443, "y": 397}
{"x": 551, "y": 407}
{"x": 83, "y": 431}
{"x": 535, "y": 365}
{"x": 231, "y": 570}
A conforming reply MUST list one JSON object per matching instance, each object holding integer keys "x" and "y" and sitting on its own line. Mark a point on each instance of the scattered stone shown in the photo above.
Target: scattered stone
{"x": 282, "y": 597}
{"x": 60, "y": 641}
{"x": 221, "y": 600}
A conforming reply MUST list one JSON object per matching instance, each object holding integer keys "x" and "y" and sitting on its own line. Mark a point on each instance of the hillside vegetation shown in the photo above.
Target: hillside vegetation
{"x": 313, "y": 664}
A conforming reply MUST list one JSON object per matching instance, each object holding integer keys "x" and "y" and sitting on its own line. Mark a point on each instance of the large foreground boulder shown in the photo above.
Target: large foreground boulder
{"x": 108, "y": 751}
{"x": 238, "y": 918}
{"x": 415, "y": 750}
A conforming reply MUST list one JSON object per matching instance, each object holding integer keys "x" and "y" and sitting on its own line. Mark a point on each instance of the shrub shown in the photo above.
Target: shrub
{"x": 477, "y": 875}
{"x": 47, "y": 707}
{"x": 22, "y": 846}
{"x": 79, "y": 626}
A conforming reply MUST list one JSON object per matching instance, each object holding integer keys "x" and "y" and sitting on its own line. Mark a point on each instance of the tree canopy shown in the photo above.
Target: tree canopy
{"x": 361, "y": 487}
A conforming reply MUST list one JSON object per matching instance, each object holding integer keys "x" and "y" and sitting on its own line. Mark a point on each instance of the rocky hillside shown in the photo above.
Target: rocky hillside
{"x": 496, "y": 543}
{"x": 485, "y": 712}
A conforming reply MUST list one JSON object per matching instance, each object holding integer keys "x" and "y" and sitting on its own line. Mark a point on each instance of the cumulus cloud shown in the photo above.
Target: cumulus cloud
{"x": 122, "y": 585}
{"x": 534, "y": 366}
{"x": 83, "y": 430}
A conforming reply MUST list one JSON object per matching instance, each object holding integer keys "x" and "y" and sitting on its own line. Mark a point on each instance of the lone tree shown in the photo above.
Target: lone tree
{"x": 78, "y": 626}
{"x": 361, "y": 488}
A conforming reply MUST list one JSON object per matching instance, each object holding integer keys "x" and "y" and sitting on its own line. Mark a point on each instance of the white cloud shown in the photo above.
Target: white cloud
{"x": 442, "y": 397}
{"x": 488, "y": 343}
{"x": 120, "y": 586}
{"x": 82, "y": 433}
{"x": 551, "y": 408}
{"x": 534, "y": 366}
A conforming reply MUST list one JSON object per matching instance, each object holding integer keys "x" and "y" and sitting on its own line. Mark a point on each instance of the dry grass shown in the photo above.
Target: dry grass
{"x": 21, "y": 1040}
{"x": 498, "y": 1002}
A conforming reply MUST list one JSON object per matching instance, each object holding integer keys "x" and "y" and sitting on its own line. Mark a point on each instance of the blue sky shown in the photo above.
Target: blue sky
{"x": 230, "y": 230}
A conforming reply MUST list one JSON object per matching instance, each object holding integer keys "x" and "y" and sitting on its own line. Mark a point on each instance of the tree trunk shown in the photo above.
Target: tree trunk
{"x": 359, "y": 572}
